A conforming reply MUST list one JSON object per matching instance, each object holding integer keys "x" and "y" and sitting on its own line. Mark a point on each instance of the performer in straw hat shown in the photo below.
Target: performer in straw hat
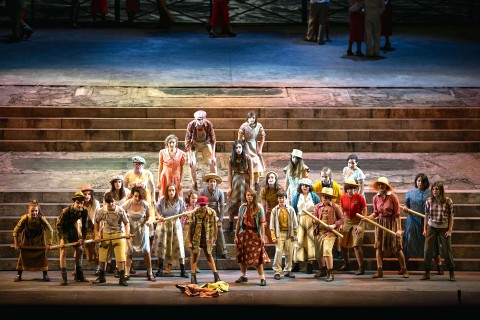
{"x": 330, "y": 213}
{"x": 387, "y": 208}
{"x": 295, "y": 171}
{"x": 352, "y": 203}
{"x": 216, "y": 201}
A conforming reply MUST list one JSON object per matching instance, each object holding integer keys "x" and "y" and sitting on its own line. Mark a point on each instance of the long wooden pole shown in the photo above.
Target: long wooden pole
{"x": 338, "y": 234}
{"x": 175, "y": 216}
{"x": 70, "y": 244}
{"x": 376, "y": 224}
{"x": 414, "y": 212}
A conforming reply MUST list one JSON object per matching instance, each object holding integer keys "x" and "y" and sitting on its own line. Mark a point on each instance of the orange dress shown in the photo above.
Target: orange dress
{"x": 171, "y": 170}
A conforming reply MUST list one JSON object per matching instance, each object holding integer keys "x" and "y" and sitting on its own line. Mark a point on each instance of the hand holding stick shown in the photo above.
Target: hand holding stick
{"x": 175, "y": 216}
{"x": 378, "y": 225}
{"x": 338, "y": 234}
{"x": 414, "y": 212}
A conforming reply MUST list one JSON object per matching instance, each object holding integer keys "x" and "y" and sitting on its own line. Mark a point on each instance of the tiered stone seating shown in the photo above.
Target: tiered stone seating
{"x": 311, "y": 129}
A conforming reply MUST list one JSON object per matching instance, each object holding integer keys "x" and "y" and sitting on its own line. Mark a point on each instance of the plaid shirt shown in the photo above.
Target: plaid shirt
{"x": 191, "y": 135}
{"x": 438, "y": 212}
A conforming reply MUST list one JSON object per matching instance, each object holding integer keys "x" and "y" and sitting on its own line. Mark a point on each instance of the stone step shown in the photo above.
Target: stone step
{"x": 229, "y": 123}
{"x": 226, "y": 146}
{"x": 231, "y": 134}
{"x": 312, "y": 111}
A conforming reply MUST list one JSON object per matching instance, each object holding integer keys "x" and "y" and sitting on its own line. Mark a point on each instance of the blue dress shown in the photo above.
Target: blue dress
{"x": 413, "y": 239}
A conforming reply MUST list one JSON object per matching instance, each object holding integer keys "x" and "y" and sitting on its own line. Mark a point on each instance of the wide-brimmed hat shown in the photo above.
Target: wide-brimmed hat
{"x": 86, "y": 187}
{"x": 138, "y": 159}
{"x": 326, "y": 192}
{"x": 78, "y": 195}
{"x": 116, "y": 177}
{"x": 212, "y": 176}
{"x": 297, "y": 153}
{"x": 381, "y": 180}
{"x": 202, "y": 200}
{"x": 351, "y": 182}
{"x": 200, "y": 114}
{"x": 305, "y": 181}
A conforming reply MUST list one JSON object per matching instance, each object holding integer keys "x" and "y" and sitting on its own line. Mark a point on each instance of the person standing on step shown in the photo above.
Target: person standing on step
{"x": 240, "y": 178}
{"x": 202, "y": 232}
{"x": 170, "y": 247}
{"x": 138, "y": 213}
{"x": 200, "y": 137}
{"x": 92, "y": 205}
{"x": 357, "y": 27}
{"x": 269, "y": 197}
{"x": 387, "y": 208}
{"x": 220, "y": 17}
{"x": 170, "y": 165}
{"x": 330, "y": 213}
{"x": 352, "y": 202}
{"x": 295, "y": 171}
{"x": 438, "y": 226}
{"x": 111, "y": 221}
{"x": 216, "y": 201}
{"x": 326, "y": 181}
{"x": 353, "y": 171}
{"x": 249, "y": 235}
{"x": 304, "y": 248}
{"x": 283, "y": 228}
{"x": 33, "y": 230}
{"x": 191, "y": 198}
{"x": 413, "y": 237}
{"x": 253, "y": 134}
{"x": 67, "y": 232}
{"x": 373, "y": 25}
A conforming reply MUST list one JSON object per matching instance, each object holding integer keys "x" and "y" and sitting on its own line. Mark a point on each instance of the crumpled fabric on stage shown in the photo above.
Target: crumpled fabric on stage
{"x": 207, "y": 290}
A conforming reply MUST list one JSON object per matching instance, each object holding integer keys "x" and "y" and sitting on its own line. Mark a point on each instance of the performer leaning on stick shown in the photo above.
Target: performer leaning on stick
{"x": 387, "y": 208}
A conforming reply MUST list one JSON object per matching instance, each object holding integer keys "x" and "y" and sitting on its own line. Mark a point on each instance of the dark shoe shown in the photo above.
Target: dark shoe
{"x": 289, "y": 275}
{"x": 132, "y": 270}
{"x": 308, "y": 40}
{"x": 18, "y": 278}
{"x": 330, "y": 276}
{"x": 360, "y": 271}
{"x": 440, "y": 270}
{"x": 345, "y": 267}
{"x": 64, "y": 279}
{"x": 378, "y": 273}
{"x": 184, "y": 274}
{"x": 123, "y": 279}
{"x": 349, "y": 53}
{"x": 241, "y": 279}
{"x": 46, "y": 278}
{"x": 216, "y": 277}
{"x": 193, "y": 278}
{"x": 426, "y": 275}
{"x": 359, "y": 54}
{"x": 296, "y": 267}
{"x": 321, "y": 273}
{"x": 452, "y": 275}
{"x": 309, "y": 268}
{"x": 159, "y": 273}
{"x": 79, "y": 276}
{"x": 151, "y": 277}
{"x": 263, "y": 282}
{"x": 101, "y": 277}
{"x": 276, "y": 276}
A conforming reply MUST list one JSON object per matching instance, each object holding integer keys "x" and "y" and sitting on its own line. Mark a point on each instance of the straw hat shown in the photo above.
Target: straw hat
{"x": 297, "y": 153}
{"x": 200, "y": 114}
{"x": 381, "y": 180}
{"x": 116, "y": 177}
{"x": 326, "y": 192}
{"x": 351, "y": 182}
{"x": 78, "y": 196}
{"x": 202, "y": 200}
{"x": 212, "y": 176}
{"x": 86, "y": 187}
{"x": 138, "y": 159}
{"x": 305, "y": 181}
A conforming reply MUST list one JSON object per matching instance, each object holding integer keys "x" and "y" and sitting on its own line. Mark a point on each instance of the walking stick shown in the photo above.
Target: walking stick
{"x": 414, "y": 212}
{"x": 338, "y": 234}
{"x": 376, "y": 224}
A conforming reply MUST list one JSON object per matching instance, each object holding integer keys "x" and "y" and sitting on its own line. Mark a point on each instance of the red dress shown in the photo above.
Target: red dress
{"x": 220, "y": 16}
{"x": 357, "y": 27}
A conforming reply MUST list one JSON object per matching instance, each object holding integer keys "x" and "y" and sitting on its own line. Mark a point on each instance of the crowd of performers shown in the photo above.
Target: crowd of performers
{"x": 306, "y": 221}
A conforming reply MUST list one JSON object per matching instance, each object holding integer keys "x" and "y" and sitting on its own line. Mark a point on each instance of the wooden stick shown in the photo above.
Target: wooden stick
{"x": 414, "y": 212}
{"x": 76, "y": 243}
{"x": 338, "y": 234}
{"x": 378, "y": 225}
{"x": 175, "y": 216}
